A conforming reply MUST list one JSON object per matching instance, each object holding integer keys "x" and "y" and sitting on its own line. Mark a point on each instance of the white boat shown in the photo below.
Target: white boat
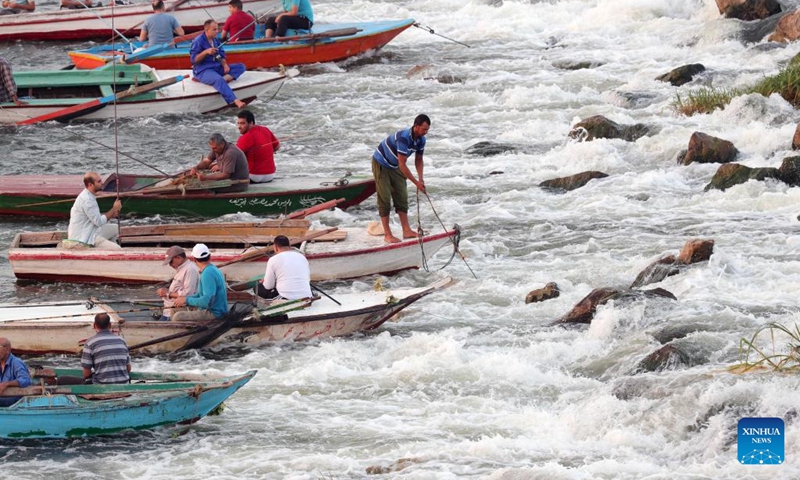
{"x": 96, "y": 23}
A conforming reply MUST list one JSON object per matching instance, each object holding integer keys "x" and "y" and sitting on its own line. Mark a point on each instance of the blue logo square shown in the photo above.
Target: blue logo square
{"x": 761, "y": 441}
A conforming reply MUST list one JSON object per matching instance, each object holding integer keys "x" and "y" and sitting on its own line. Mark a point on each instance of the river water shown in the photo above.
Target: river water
{"x": 472, "y": 382}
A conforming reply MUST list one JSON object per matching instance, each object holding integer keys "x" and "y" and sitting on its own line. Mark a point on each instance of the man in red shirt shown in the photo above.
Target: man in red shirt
{"x": 239, "y": 25}
{"x": 259, "y": 145}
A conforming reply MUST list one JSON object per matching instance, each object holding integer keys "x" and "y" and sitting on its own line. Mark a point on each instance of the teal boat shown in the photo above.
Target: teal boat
{"x": 150, "y": 400}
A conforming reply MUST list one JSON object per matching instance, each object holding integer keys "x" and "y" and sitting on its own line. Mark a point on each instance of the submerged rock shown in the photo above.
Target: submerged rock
{"x": 682, "y": 75}
{"x": 667, "y": 357}
{"x": 704, "y": 148}
{"x": 790, "y": 171}
{"x": 676, "y": 332}
{"x": 576, "y": 64}
{"x": 788, "y": 29}
{"x": 549, "y": 291}
{"x": 583, "y": 311}
{"x": 599, "y": 126}
{"x": 571, "y": 182}
{"x": 732, "y": 174}
{"x": 487, "y": 149}
{"x": 656, "y": 271}
{"x": 395, "y": 467}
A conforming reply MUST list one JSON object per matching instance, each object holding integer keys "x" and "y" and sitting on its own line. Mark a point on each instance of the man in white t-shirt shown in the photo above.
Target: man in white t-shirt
{"x": 288, "y": 274}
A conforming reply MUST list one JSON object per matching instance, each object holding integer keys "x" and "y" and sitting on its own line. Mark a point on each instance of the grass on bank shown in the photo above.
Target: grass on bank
{"x": 751, "y": 356}
{"x": 786, "y": 83}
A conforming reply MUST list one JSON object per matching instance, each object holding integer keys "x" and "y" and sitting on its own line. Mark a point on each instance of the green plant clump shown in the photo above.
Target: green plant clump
{"x": 787, "y": 360}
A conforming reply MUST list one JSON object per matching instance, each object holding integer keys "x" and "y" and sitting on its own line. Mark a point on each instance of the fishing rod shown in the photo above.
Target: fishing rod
{"x": 323, "y": 292}
{"x": 112, "y": 20}
{"x": 55, "y": 317}
{"x": 430, "y": 30}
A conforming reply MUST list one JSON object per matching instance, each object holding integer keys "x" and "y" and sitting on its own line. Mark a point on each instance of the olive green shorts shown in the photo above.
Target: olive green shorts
{"x": 391, "y": 186}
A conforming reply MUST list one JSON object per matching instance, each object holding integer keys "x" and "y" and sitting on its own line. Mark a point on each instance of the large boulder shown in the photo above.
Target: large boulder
{"x": 667, "y": 357}
{"x": 682, "y": 75}
{"x": 656, "y": 271}
{"x": 732, "y": 174}
{"x": 572, "y": 182}
{"x": 599, "y": 126}
{"x": 583, "y": 311}
{"x": 704, "y": 148}
{"x": 788, "y": 29}
{"x": 789, "y": 171}
{"x": 549, "y": 291}
{"x": 748, "y": 9}
{"x": 695, "y": 251}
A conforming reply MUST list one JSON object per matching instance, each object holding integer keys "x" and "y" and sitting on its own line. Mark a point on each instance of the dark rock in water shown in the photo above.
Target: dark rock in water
{"x": 755, "y": 32}
{"x": 796, "y": 138}
{"x": 788, "y": 28}
{"x": 639, "y": 197}
{"x": 599, "y": 126}
{"x": 576, "y": 64}
{"x": 634, "y": 99}
{"x": 496, "y": 172}
{"x": 487, "y": 149}
{"x": 696, "y": 251}
{"x": 493, "y": 3}
{"x": 583, "y": 311}
{"x": 448, "y": 79}
{"x": 748, "y": 10}
{"x": 704, "y": 148}
{"x": 572, "y": 182}
{"x": 395, "y": 467}
{"x": 682, "y": 75}
{"x": 656, "y": 271}
{"x": 790, "y": 170}
{"x": 539, "y": 295}
{"x": 732, "y": 174}
{"x": 676, "y": 332}
{"x": 658, "y": 292}
{"x": 667, "y": 357}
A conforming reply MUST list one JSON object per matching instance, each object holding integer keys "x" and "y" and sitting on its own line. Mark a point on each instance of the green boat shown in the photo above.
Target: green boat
{"x": 143, "y": 195}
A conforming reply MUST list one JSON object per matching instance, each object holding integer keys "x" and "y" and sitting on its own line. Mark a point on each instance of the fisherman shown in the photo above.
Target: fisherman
{"x": 226, "y": 162}
{"x": 209, "y": 65}
{"x": 105, "y": 357}
{"x": 211, "y": 298}
{"x": 86, "y": 225}
{"x": 391, "y": 172}
{"x": 160, "y": 27}
{"x": 297, "y": 15}
{"x": 184, "y": 283}
{"x": 13, "y": 373}
{"x": 14, "y": 7}
{"x": 287, "y": 276}
{"x": 239, "y": 25}
{"x": 8, "y": 87}
{"x": 259, "y": 145}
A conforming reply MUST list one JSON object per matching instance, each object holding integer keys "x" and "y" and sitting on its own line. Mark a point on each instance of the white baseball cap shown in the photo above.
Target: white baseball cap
{"x": 200, "y": 251}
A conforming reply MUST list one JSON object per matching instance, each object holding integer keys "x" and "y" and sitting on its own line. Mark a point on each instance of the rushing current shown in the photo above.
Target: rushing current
{"x": 471, "y": 382}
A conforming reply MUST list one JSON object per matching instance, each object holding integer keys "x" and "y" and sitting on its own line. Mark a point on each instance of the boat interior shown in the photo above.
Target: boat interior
{"x": 70, "y": 84}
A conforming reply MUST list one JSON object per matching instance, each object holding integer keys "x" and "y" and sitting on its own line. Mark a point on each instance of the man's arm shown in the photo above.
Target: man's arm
{"x": 30, "y": 6}
{"x": 418, "y": 163}
{"x": 21, "y": 374}
{"x": 270, "y": 279}
{"x": 143, "y": 35}
{"x": 403, "y": 167}
{"x": 87, "y": 373}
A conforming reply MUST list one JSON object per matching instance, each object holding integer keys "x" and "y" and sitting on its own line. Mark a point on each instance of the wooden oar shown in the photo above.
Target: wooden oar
{"x": 92, "y": 105}
{"x": 342, "y": 32}
{"x": 263, "y": 252}
{"x": 308, "y": 211}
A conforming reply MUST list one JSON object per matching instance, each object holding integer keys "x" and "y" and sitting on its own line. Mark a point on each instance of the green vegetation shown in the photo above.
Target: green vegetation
{"x": 786, "y": 360}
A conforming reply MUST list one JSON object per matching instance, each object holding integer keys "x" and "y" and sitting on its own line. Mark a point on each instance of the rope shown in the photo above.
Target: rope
{"x": 455, "y": 241}
{"x": 430, "y": 30}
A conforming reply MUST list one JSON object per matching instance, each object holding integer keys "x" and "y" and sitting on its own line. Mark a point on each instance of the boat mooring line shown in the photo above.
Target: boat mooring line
{"x": 430, "y": 30}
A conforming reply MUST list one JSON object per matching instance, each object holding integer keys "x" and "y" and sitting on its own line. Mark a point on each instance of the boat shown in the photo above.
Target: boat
{"x": 96, "y": 23}
{"x": 138, "y": 89}
{"x": 323, "y": 43}
{"x": 150, "y": 400}
{"x": 142, "y": 195}
{"x": 237, "y": 248}
{"x": 61, "y": 328}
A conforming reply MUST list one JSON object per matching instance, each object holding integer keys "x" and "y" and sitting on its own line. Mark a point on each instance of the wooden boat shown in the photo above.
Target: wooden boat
{"x": 345, "y": 253}
{"x": 62, "y": 327}
{"x": 95, "y": 23}
{"x": 48, "y": 91}
{"x": 151, "y": 400}
{"x": 324, "y": 43}
{"x": 53, "y": 195}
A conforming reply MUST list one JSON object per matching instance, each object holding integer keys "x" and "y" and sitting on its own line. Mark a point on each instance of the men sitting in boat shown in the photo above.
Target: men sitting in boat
{"x": 184, "y": 283}
{"x": 240, "y": 25}
{"x": 288, "y": 275}
{"x": 160, "y": 26}
{"x": 259, "y": 146}
{"x": 8, "y": 87}
{"x": 13, "y": 373}
{"x": 209, "y": 65}
{"x": 390, "y": 171}
{"x": 226, "y": 162}
{"x": 105, "y": 357}
{"x": 75, "y": 4}
{"x": 87, "y": 227}
{"x": 13, "y": 7}
{"x": 297, "y": 14}
{"x": 211, "y": 299}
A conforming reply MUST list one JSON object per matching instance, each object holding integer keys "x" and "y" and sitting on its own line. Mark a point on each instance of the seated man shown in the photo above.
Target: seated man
{"x": 105, "y": 357}
{"x": 184, "y": 283}
{"x": 14, "y": 7}
{"x": 73, "y": 4}
{"x": 211, "y": 299}
{"x": 209, "y": 65}
{"x": 8, "y": 87}
{"x": 227, "y": 162}
{"x": 86, "y": 225}
{"x": 160, "y": 26}
{"x": 13, "y": 373}
{"x": 259, "y": 146}
{"x": 297, "y": 14}
{"x": 240, "y": 25}
{"x": 288, "y": 274}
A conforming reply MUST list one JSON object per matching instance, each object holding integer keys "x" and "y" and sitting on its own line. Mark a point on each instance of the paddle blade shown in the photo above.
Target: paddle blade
{"x": 219, "y": 327}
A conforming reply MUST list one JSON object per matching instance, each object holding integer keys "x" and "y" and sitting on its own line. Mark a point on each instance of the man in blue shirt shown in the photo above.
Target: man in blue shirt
{"x": 159, "y": 27}
{"x": 211, "y": 299}
{"x": 209, "y": 65}
{"x": 391, "y": 171}
{"x": 13, "y": 373}
{"x": 296, "y": 14}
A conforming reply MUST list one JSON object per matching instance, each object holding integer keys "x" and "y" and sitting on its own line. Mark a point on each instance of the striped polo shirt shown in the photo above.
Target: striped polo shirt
{"x": 108, "y": 355}
{"x": 399, "y": 143}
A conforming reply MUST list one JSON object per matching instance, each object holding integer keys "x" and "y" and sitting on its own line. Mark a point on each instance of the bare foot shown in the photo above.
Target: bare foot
{"x": 410, "y": 234}
{"x": 239, "y": 103}
{"x": 391, "y": 239}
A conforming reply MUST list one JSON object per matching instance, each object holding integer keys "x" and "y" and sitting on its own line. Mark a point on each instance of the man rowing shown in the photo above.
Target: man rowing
{"x": 226, "y": 162}
{"x": 87, "y": 226}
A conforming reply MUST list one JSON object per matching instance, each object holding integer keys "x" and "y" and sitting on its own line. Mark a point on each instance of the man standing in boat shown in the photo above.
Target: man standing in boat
{"x": 240, "y": 25}
{"x": 226, "y": 162}
{"x": 160, "y": 26}
{"x": 259, "y": 146}
{"x": 105, "y": 357}
{"x": 211, "y": 299}
{"x": 13, "y": 372}
{"x": 288, "y": 274}
{"x": 209, "y": 65}
{"x": 8, "y": 87}
{"x": 86, "y": 225}
{"x": 184, "y": 283}
{"x": 390, "y": 169}
{"x": 297, "y": 14}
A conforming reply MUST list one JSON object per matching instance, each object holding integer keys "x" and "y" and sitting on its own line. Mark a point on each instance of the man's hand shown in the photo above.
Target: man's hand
{"x": 180, "y": 302}
{"x": 162, "y": 292}
{"x": 225, "y": 68}
{"x": 210, "y": 51}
